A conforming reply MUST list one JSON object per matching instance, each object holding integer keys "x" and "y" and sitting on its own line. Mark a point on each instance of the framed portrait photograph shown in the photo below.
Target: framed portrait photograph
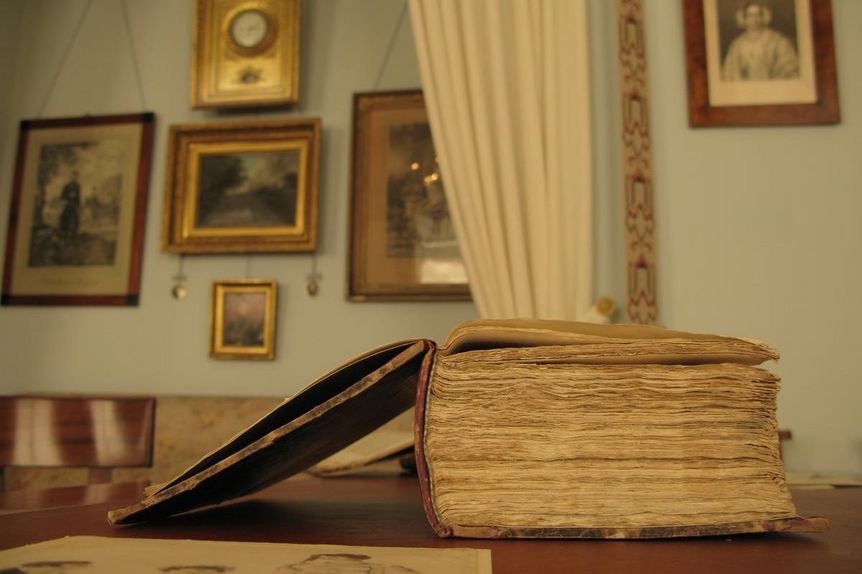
{"x": 760, "y": 62}
{"x": 246, "y": 187}
{"x": 243, "y": 319}
{"x": 246, "y": 53}
{"x": 403, "y": 245}
{"x": 76, "y": 219}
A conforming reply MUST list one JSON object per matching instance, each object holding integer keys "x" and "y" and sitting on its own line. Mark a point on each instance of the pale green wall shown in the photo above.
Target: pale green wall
{"x": 161, "y": 346}
{"x": 757, "y": 228}
{"x": 759, "y": 234}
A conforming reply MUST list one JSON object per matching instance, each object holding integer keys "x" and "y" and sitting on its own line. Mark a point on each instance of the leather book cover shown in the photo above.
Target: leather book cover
{"x": 331, "y": 413}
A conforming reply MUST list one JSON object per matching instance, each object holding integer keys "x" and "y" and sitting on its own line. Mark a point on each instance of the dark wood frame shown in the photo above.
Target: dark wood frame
{"x": 220, "y": 290}
{"x": 131, "y": 293}
{"x": 824, "y": 111}
{"x": 361, "y": 286}
{"x": 179, "y": 187}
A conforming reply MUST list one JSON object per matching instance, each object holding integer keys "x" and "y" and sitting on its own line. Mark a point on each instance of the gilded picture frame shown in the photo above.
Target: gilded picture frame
{"x": 246, "y": 53}
{"x": 243, "y": 319}
{"x": 242, "y": 187}
{"x": 77, "y": 212}
{"x": 402, "y": 243}
{"x": 760, "y": 63}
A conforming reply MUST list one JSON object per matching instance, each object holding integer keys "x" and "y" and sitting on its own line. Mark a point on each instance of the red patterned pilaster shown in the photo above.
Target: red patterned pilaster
{"x": 637, "y": 166}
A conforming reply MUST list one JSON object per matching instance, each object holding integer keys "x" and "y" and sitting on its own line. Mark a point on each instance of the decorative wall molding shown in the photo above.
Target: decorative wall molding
{"x": 641, "y": 306}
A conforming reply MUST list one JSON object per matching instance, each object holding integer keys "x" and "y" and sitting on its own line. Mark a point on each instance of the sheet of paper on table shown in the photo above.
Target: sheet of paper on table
{"x": 369, "y": 454}
{"x": 103, "y": 555}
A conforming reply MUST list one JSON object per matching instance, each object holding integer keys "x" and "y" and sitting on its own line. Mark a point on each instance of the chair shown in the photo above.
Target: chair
{"x": 97, "y": 434}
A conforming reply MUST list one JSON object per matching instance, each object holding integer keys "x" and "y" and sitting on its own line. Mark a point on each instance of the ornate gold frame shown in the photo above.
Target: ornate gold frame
{"x": 225, "y": 350}
{"x": 226, "y": 74}
{"x": 188, "y": 144}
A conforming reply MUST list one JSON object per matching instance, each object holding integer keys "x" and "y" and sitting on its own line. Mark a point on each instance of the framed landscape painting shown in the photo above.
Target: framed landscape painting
{"x": 243, "y": 319}
{"x": 760, "y": 62}
{"x": 403, "y": 245}
{"x": 246, "y": 187}
{"x": 76, "y": 218}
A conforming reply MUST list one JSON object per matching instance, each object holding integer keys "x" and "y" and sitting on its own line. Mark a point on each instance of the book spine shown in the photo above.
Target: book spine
{"x": 423, "y": 387}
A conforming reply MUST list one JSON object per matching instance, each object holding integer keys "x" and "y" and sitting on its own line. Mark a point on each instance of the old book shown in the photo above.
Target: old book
{"x": 539, "y": 429}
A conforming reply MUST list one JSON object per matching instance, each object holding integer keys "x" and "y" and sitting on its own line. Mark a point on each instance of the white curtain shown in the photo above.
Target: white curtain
{"x": 506, "y": 86}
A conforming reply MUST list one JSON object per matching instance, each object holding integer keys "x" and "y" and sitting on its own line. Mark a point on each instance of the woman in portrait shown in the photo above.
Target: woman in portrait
{"x": 759, "y": 52}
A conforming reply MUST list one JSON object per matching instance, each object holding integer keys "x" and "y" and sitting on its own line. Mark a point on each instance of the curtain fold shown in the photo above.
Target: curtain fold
{"x": 506, "y": 85}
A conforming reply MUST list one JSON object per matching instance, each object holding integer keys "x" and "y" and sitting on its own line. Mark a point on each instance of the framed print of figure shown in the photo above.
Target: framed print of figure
{"x": 760, "y": 62}
{"x": 76, "y": 220}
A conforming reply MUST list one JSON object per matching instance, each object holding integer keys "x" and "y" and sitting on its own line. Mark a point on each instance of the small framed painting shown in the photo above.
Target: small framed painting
{"x": 246, "y": 187}
{"x": 403, "y": 245}
{"x": 243, "y": 319}
{"x": 76, "y": 219}
{"x": 760, "y": 62}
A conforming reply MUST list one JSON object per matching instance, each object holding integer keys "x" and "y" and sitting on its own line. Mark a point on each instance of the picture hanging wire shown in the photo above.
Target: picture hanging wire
{"x": 312, "y": 285}
{"x": 74, "y": 39}
{"x": 65, "y": 57}
{"x": 295, "y": 111}
{"x": 179, "y": 291}
{"x": 389, "y": 48}
{"x": 135, "y": 64}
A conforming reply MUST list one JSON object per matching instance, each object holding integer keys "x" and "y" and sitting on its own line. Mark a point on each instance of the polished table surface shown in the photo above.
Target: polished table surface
{"x": 388, "y": 512}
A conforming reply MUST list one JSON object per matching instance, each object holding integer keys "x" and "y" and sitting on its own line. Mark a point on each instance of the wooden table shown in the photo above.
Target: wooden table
{"x": 388, "y": 512}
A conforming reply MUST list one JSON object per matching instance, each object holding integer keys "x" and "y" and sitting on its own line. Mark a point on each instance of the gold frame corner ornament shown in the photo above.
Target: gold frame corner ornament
{"x": 264, "y": 71}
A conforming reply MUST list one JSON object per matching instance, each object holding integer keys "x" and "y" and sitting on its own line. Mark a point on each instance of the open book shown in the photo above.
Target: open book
{"x": 538, "y": 429}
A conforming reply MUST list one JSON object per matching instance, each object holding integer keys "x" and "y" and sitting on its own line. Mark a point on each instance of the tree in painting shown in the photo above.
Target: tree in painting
{"x": 248, "y": 190}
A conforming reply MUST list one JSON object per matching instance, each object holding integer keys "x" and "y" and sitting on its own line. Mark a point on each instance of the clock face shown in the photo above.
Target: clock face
{"x": 249, "y": 28}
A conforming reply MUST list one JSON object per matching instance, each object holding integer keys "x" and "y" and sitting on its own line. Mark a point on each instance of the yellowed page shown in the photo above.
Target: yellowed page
{"x": 101, "y": 555}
